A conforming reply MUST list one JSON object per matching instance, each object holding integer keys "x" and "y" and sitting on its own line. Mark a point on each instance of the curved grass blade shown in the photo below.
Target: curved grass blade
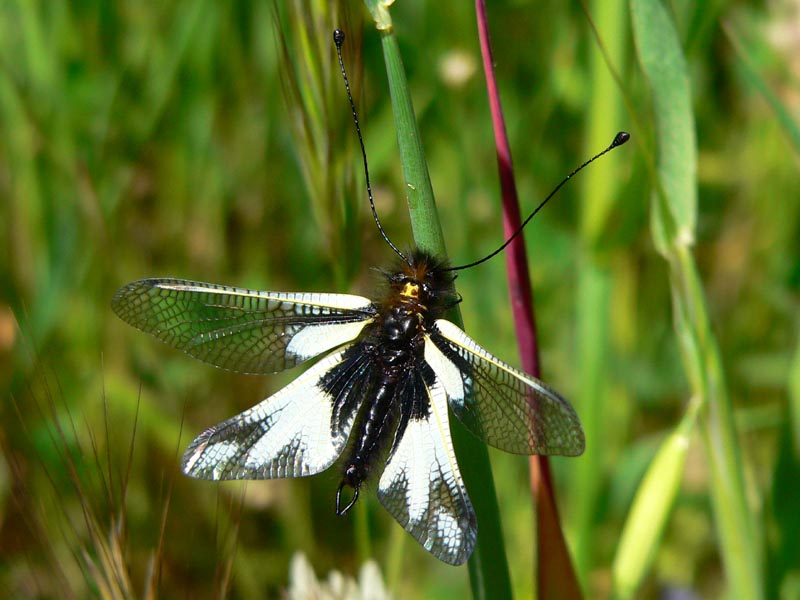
{"x": 674, "y": 217}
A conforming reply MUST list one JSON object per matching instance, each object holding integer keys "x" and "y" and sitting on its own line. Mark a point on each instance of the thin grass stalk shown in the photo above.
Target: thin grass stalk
{"x": 153, "y": 579}
{"x": 425, "y": 224}
{"x": 740, "y": 543}
{"x": 674, "y": 217}
{"x": 100, "y": 554}
{"x": 488, "y": 566}
{"x": 35, "y": 521}
{"x": 597, "y": 276}
{"x": 554, "y": 575}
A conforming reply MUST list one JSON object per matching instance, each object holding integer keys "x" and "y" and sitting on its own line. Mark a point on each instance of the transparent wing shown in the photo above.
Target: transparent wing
{"x": 242, "y": 330}
{"x": 503, "y": 406}
{"x": 298, "y": 431}
{"x": 421, "y": 485}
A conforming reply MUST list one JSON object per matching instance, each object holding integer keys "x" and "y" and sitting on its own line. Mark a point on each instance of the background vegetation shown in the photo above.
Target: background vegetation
{"x": 190, "y": 139}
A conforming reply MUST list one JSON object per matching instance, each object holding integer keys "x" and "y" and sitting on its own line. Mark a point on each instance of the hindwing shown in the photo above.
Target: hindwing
{"x": 503, "y": 406}
{"x": 421, "y": 485}
{"x": 300, "y": 430}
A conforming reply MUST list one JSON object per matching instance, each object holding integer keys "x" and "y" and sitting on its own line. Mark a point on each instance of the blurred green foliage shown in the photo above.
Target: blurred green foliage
{"x": 189, "y": 139}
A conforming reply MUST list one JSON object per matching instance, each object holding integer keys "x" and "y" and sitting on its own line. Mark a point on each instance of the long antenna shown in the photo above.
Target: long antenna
{"x": 619, "y": 139}
{"x": 338, "y": 39}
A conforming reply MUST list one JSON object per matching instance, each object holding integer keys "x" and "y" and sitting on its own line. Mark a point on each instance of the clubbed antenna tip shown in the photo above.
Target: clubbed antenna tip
{"x": 619, "y": 139}
{"x": 338, "y": 37}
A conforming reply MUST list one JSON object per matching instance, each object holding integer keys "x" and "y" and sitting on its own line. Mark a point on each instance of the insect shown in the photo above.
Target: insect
{"x": 377, "y": 400}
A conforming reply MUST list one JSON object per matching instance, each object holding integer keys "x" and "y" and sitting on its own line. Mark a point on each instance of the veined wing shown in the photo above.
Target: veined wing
{"x": 421, "y": 485}
{"x": 300, "y": 430}
{"x": 242, "y": 330}
{"x": 503, "y": 406}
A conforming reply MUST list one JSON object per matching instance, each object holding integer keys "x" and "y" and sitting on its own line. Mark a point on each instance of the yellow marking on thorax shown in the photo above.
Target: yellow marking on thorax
{"x": 411, "y": 291}
{"x": 409, "y": 295}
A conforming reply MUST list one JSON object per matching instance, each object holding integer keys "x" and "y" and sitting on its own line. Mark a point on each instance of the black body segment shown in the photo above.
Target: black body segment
{"x": 394, "y": 343}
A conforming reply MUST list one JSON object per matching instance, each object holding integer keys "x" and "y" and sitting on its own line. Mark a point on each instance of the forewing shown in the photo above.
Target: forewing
{"x": 421, "y": 485}
{"x": 298, "y": 431}
{"x": 503, "y": 406}
{"x": 242, "y": 330}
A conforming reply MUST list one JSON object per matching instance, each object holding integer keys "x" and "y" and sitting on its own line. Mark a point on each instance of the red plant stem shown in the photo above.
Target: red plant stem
{"x": 554, "y": 571}
{"x": 516, "y": 261}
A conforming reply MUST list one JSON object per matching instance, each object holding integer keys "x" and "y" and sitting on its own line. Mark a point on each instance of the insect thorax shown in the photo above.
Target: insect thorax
{"x": 422, "y": 285}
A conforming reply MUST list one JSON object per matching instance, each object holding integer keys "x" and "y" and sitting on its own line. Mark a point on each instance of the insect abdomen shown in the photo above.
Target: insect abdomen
{"x": 395, "y": 347}
{"x": 376, "y": 428}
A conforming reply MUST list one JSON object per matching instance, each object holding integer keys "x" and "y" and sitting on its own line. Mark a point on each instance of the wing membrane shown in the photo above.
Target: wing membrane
{"x": 421, "y": 485}
{"x": 503, "y": 406}
{"x": 298, "y": 431}
{"x": 238, "y": 329}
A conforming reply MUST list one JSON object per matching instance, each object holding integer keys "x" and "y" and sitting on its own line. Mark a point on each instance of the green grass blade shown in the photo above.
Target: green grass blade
{"x": 594, "y": 289}
{"x": 673, "y": 224}
{"x": 419, "y": 192}
{"x": 596, "y": 281}
{"x": 488, "y": 565}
